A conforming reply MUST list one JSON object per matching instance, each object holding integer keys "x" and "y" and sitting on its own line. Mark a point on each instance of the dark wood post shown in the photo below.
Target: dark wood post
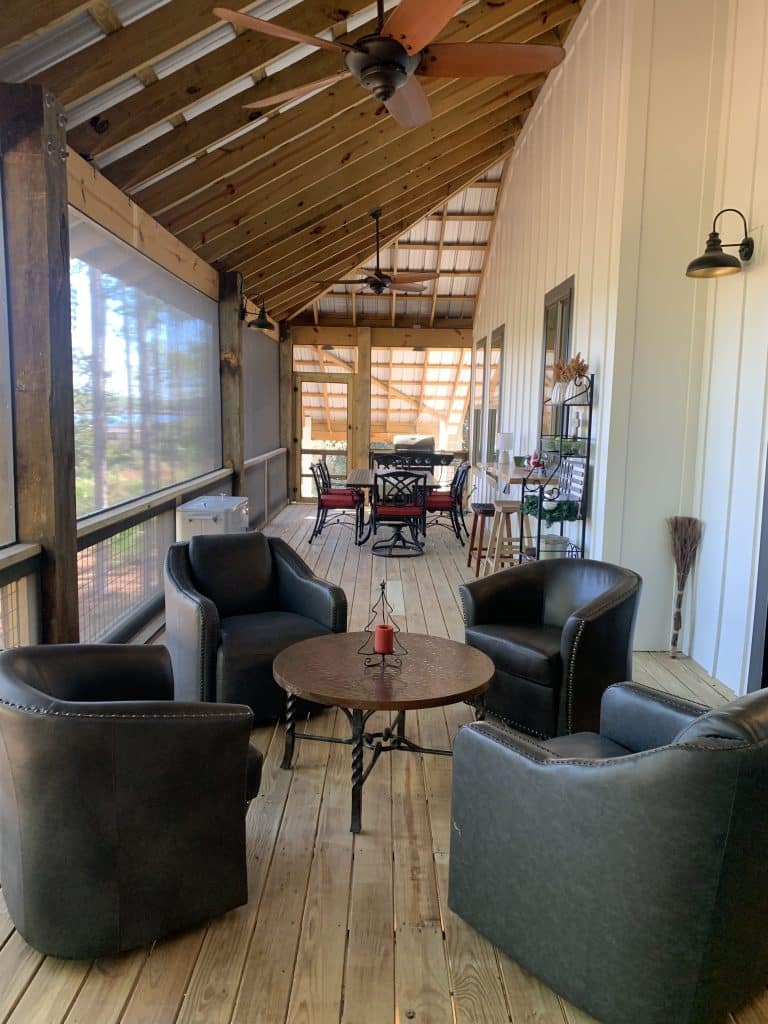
{"x": 33, "y": 152}
{"x": 232, "y": 398}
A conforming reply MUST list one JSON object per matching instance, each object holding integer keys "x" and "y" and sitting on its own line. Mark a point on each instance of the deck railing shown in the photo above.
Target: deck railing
{"x": 120, "y": 559}
{"x": 266, "y": 485}
{"x": 19, "y": 595}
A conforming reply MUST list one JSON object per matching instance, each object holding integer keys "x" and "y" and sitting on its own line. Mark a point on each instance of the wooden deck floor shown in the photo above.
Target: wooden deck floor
{"x": 337, "y": 928}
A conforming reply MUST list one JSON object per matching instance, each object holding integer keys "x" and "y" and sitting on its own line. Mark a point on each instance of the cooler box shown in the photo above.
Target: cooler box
{"x": 219, "y": 514}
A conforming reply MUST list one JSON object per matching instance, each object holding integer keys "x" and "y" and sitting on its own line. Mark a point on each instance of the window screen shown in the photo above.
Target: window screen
{"x": 7, "y": 507}
{"x": 145, "y": 355}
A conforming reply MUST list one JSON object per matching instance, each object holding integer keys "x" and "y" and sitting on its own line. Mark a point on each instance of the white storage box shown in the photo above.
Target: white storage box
{"x": 217, "y": 514}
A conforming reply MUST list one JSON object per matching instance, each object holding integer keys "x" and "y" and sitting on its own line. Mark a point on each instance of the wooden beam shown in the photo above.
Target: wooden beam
{"x": 439, "y": 258}
{"x": 361, "y": 407}
{"x": 340, "y": 252}
{"x": 277, "y": 244}
{"x": 478, "y": 247}
{"x": 24, "y": 18}
{"x": 91, "y": 193}
{"x": 205, "y": 131}
{"x": 382, "y": 337}
{"x": 231, "y": 379}
{"x": 33, "y": 169}
{"x": 245, "y": 54}
{"x": 288, "y": 440}
{"x": 418, "y": 323}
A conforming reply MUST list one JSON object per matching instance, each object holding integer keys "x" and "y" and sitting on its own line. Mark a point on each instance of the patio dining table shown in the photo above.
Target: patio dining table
{"x": 366, "y": 478}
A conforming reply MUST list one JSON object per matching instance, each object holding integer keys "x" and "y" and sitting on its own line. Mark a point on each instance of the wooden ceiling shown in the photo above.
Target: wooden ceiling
{"x": 155, "y": 94}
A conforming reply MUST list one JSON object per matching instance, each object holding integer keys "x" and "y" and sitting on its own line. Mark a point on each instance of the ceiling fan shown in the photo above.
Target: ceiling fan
{"x": 379, "y": 281}
{"x": 386, "y": 62}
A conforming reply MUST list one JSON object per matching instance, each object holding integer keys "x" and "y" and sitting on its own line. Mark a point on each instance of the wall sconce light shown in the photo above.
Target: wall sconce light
{"x": 262, "y": 321}
{"x": 715, "y": 262}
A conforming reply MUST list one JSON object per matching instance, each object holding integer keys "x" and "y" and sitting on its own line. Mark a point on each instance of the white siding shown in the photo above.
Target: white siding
{"x": 657, "y": 118}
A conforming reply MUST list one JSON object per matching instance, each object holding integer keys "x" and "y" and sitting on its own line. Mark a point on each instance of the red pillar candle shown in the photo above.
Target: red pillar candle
{"x": 384, "y": 639}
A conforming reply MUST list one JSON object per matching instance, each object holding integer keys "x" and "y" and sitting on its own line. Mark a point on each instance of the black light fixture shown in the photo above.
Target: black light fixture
{"x": 262, "y": 321}
{"x": 715, "y": 262}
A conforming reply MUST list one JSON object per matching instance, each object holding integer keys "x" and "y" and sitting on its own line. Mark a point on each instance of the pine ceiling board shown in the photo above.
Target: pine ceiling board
{"x": 332, "y": 227}
{"x": 489, "y": 21}
{"x": 24, "y": 18}
{"x": 410, "y": 156}
{"x": 249, "y": 51}
{"x": 289, "y": 196}
{"x": 323, "y": 150}
{"x": 291, "y": 285}
{"x": 133, "y": 47}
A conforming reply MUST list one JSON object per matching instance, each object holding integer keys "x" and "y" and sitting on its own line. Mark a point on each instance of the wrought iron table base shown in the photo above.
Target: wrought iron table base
{"x": 383, "y": 742}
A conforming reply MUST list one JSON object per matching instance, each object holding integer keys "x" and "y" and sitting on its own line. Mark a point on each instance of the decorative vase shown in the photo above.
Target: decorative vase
{"x": 577, "y": 392}
{"x": 558, "y": 393}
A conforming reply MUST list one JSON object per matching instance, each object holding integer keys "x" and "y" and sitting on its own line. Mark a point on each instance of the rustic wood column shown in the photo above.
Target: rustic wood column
{"x": 231, "y": 378}
{"x": 34, "y": 174}
{"x": 361, "y": 407}
{"x": 288, "y": 430}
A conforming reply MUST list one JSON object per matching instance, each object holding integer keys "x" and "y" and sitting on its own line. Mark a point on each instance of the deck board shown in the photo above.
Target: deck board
{"x": 338, "y": 929}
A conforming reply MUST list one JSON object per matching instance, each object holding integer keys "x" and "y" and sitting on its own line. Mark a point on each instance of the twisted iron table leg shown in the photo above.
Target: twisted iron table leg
{"x": 357, "y": 770}
{"x": 290, "y": 730}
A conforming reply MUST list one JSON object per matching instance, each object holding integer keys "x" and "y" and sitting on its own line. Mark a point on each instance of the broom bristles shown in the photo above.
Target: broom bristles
{"x": 685, "y": 537}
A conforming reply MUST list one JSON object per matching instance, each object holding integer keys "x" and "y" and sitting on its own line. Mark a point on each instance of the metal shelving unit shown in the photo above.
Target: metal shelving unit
{"x": 567, "y": 469}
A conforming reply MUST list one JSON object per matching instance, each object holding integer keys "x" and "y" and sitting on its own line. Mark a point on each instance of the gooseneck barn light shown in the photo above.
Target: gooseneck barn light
{"x": 715, "y": 262}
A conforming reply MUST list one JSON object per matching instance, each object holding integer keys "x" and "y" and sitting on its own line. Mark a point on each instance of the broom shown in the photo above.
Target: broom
{"x": 685, "y": 537}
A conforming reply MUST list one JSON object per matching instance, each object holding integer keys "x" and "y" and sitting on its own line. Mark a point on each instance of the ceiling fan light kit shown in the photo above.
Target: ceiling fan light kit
{"x": 387, "y": 61}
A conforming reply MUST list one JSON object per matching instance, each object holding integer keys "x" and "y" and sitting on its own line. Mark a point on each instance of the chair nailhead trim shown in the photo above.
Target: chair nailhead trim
{"x": 33, "y": 709}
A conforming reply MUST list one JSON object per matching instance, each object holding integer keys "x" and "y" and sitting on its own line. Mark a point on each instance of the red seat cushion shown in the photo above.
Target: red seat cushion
{"x": 399, "y": 510}
{"x": 339, "y": 501}
{"x": 347, "y": 490}
{"x": 438, "y": 502}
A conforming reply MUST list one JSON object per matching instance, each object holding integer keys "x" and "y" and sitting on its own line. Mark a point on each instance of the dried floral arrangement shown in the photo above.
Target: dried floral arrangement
{"x": 561, "y": 371}
{"x": 577, "y": 367}
{"x": 684, "y": 537}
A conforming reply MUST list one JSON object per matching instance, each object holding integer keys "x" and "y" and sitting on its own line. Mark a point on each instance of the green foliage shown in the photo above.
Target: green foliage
{"x": 563, "y": 512}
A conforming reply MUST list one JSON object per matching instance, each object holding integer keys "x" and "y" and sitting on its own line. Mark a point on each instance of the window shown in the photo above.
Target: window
{"x": 145, "y": 355}
{"x": 7, "y": 502}
{"x": 558, "y": 304}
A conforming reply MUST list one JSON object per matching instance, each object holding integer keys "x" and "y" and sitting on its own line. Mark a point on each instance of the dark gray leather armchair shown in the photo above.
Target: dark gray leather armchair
{"x": 559, "y": 631}
{"x": 232, "y": 604}
{"x": 628, "y": 869}
{"x": 122, "y": 812}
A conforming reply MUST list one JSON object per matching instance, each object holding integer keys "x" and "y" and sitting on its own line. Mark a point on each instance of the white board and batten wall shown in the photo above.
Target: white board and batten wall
{"x": 657, "y": 119}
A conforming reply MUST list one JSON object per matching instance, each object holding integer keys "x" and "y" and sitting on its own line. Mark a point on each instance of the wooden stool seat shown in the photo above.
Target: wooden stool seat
{"x": 504, "y": 542}
{"x": 481, "y": 510}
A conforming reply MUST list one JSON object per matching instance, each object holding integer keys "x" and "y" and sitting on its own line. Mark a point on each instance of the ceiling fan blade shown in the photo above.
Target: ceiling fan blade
{"x": 413, "y": 278}
{"x": 410, "y": 106}
{"x": 410, "y": 288}
{"x": 415, "y": 23}
{"x": 488, "y": 60}
{"x": 300, "y": 90}
{"x": 269, "y": 28}
{"x": 329, "y": 284}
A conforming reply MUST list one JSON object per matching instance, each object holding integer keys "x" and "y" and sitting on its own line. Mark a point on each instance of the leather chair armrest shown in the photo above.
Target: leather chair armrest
{"x": 640, "y": 718}
{"x": 510, "y": 596}
{"x": 596, "y": 651}
{"x": 301, "y": 592}
{"x": 191, "y": 630}
{"x": 89, "y": 672}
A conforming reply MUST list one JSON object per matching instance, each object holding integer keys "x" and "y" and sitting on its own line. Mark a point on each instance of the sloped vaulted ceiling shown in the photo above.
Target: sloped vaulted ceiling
{"x": 154, "y": 92}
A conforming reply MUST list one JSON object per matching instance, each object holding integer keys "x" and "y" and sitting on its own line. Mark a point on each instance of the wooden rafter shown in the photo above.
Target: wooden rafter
{"x": 24, "y": 18}
{"x": 439, "y": 261}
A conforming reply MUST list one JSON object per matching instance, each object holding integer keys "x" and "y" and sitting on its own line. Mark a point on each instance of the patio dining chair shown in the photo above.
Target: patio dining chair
{"x": 450, "y": 503}
{"x": 334, "y": 500}
{"x": 399, "y": 500}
